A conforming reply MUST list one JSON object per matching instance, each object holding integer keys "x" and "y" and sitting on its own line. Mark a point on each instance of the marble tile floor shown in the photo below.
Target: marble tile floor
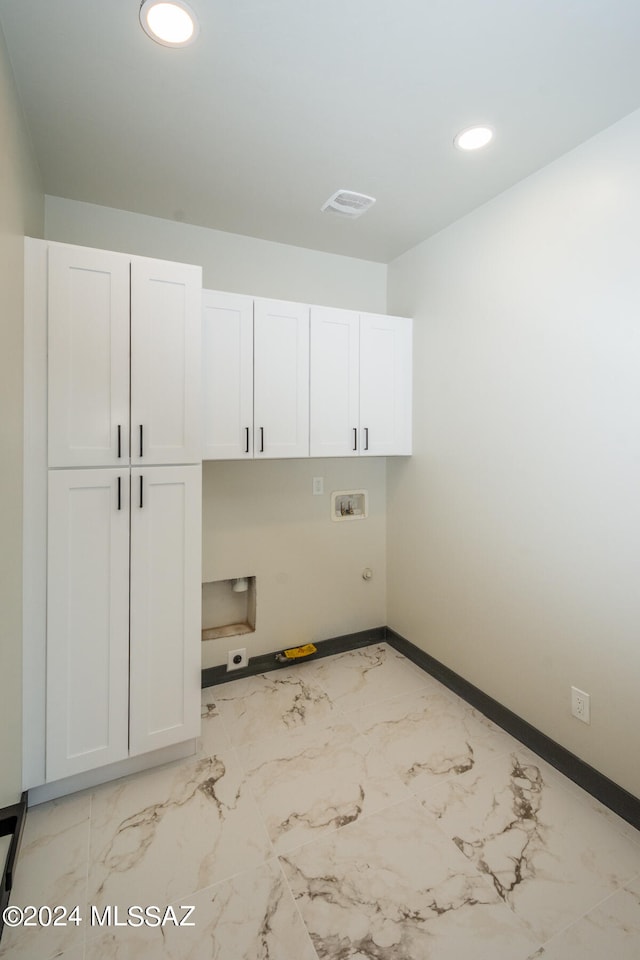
{"x": 349, "y": 808}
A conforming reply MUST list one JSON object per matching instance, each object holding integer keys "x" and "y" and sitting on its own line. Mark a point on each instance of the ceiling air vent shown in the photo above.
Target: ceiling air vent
{"x": 346, "y": 203}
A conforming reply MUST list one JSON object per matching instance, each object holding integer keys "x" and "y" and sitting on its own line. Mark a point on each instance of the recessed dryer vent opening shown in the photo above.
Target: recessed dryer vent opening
{"x": 228, "y": 607}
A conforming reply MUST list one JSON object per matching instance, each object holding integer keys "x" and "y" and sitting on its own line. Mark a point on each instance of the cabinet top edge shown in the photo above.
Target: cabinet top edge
{"x": 45, "y": 244}
{"x": 232, "y": 294}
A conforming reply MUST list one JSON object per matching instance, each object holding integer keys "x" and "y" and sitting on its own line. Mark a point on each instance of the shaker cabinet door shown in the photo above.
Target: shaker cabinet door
{"x": 227, "y": 376}
{"x": 281, "y": 379}
{"x": 88, "y": 620}
{"x": 88, "y": 346}
{"x": 385, "y": 385}
{"x": 165, "y": 362}
{"x": 166, "y": 535}
{"x": 334, "y": 383}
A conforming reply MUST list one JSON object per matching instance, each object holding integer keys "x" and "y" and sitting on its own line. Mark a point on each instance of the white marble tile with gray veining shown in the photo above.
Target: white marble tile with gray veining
{"x": 550, "y": 857}
{"x": 612, "y": 930}
{"x": 431, "y": 735}
{"x": 51, "y": 871}
{"x": 409, "y": 827}
{"x": 251, "y": 917}
{"x": 172, "y": 831}
{"x": 286, "y": 699}
{"x": 74, "y": 953}
{"x": 317, "y": 779}
{"x": 368, "y": 675}
{"x": 391, "y": 887}
{"x": 213, "y": 735}
{"x": 551, "y": 774}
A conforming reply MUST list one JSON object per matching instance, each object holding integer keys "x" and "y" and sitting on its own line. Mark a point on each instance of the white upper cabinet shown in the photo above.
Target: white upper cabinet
{"x": 334, "y": 383}
{"x": 288, "y": 380}
{"x": 116, "y": 320}
{"x": 227, "y": 376}
{"x": 88, "y": 347}
{"x": 87, "y": 620}
{"x": 360, "y": 384}
{"x": 165, "y": 362}
{"x": 385, "y": 385}
{"x": 281, "y": 379}
{"x": 165, "y": 656}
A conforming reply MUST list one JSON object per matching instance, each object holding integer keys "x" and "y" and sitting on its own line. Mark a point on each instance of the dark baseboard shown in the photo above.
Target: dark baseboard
{"x": 211, "y": 676}
{"x": 609, "y": 793}
{"x": 11, "y": 824}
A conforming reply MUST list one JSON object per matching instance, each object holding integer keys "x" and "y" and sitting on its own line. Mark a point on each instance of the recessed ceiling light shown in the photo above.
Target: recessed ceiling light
{"x": 473, "y": 138}
{"x": 171, "y": 23}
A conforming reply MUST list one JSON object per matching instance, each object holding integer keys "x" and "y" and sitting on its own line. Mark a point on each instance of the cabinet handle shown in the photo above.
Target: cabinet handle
{"x": 119, "y": 441}
{"x": 140, "y": 439}
{"x": 119, "y": 492}
{"x": 355, "y": 438}
{"x": 261, "y": 439}
{"x": 366, "y": 438}
{"x": 246, "y": 439}
{"x": 141, "y": 491}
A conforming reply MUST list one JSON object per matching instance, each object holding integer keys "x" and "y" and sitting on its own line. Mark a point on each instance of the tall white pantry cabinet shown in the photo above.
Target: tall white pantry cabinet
{"x": 112, "y": 508}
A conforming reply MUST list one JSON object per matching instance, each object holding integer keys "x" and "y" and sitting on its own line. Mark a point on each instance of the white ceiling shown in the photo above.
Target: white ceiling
{"x": 282, "y": 102}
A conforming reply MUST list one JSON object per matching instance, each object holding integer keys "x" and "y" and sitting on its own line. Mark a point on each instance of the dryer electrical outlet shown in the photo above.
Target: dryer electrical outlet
{"x": 237, "y": 659}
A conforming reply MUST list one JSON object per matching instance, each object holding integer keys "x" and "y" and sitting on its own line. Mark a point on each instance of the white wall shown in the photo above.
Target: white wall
{"x": 518, "y": 564}
{"x": 230, "y": 261}
{"x": 260, "y": 519}
{"x": 21, "y": 211}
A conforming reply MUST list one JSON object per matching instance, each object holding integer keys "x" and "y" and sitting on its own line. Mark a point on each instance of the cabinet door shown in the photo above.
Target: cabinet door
{"x": 166, "y": 595}
{"x": 385, "y": 385}
{"x": 227, "y": 376}
{"x": 166, "y": 301}
{"x": 88, "y": 344}
{"x": 334, "y": 383}
{"x": 281, "y": 379}
{"x": 88, "y": 620}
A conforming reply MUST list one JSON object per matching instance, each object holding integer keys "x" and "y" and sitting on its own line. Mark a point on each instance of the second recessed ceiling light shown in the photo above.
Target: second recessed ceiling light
{"x": 473, "y": 138}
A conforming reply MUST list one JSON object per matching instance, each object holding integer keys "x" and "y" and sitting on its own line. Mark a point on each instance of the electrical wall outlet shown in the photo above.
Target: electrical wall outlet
{"x": 237, "y": 659}
{"x": 580, "y": 705}
{"x": 318, "y": 486}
